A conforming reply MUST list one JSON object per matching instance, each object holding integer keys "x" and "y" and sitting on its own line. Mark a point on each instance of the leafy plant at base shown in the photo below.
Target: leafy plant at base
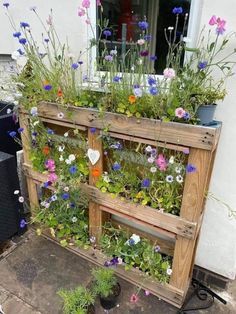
{"x": 104, "y": 281}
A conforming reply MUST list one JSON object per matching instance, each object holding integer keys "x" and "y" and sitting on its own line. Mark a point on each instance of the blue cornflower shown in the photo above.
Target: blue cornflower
{"x": 114, "y": 261}
{"x": 12, "y": 134}
{"x": 202, "y": 65}
{"x": 80, "y": 62}
{"x": 53, "y": 198}
{"x": 177, "y": 10}
{"x": 117, "y": 145}
{"x": 73, "y": 169}
{"x": 157, "y": 248}
{"x": 136, "y": 85}
{"x": 21, "y": 52}
{"x": 65, "y": 196}
{"x": 22, "y": 41}
{"x": 147, "y": 37}
{"x": 190, "y": 168}
{"x": 46, "y": 40}
{"x": 107, "y": 33}
{"x": 116, "y": 78}
{"x": 143, "y": 25}
{"x": 72, "y": 205}
{"x": 23, "y": 223}
{"x": 74, "y": 66}
{"x": 47, "y": 87}
{"x": 20, "y": 130}
{"x": 131, "y": 242}
{"x": 153, "y": 90}
{"x": 24, "y": 24}
{"x": 34, "y": 133}
{"x": 93, "y": 130}
{"x": 6, "y": 4}
{"x": 146, "y": 183}
{"x": 17, "y": 34}
{"x": 116, "y": 166}
{"x": 153, "y": 58}
{"x": 47, "y": 184}
{"x": 151, "y": 81}
{"x": 186, "y": 116}
{"x": 50, "y": 131}
{"x": 137, "y": 92}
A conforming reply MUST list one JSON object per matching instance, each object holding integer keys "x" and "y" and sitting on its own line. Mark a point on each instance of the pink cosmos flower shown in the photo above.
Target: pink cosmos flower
{"x": 50, "y": 165}
{"x": 213, "y": 20}
{"x": 81, "y": 12}
{"x": 86, "y": 4}
{"x": 169, "y": 73}
{"x": 179, "y": 112}
{"x": 52, "y": 177}
{"x": 161, "y": 162}
{"x": 220, "y": 26}
{"x": 134, "y": 298}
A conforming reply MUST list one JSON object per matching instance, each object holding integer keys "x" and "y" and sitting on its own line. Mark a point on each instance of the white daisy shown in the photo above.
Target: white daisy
{"x": 178, "y": 169}
{"x": 179, "y": 179}
{"x": 71, "y": 157}
{"x": 61, "y": 148}
{"x": 148, "y": 149}
{"x": 151, "y": 160}
{"x": 66, "y": 189}
{"x": 60, "y": 115}
{"x": 153, "y": 169}
{"x": 21, "y": 199}
{"x": 169, "y": 179}
{"x": 74, "y": 219}
{"x": 169, "y": 271}
{"x": 172, "y": 159}
{"x": 16, "y": 192}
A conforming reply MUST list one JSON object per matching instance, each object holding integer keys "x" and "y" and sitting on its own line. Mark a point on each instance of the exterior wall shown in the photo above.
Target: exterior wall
{"x": 217, "y": 244}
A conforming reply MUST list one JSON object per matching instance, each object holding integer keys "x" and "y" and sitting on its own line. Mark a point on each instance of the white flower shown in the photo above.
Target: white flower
{"x": 16, "y": 192}
{"x": 172, "y": 159}
{"x": 135, "y": 238}
{"x": 36, "y": 123}
{"x": 61, "y": 158}
{"x": 132, "y": 68}
{"x": 60, "y": 115}
{"x": 178, "y": 169}
{"x": 47, "y": 205}
{"x": 8, "y": 111}
{"x": 61, "y": 148}
{"x": 66, "y": 134}
{"x": 54, "y": 198}
{"x": 106, "y": 177}
{"x": 21, "y": 199}
{"x": 15, "y": 55}
{"x": 34, "y": 111}
{"x": 120, "y": 261}
{"x": 74, "y": 219}
{"x": 140, "y": 61}
{"x": 179, "y": 179}
{"x": 141, "y": 42}
{"x": 148, "y": 149}
{"x": 169, "y": 179}
{"x": 113, "y": 52}
{"x": 151, "y": 160}
{"x": 66, "y": 189}
{"x": 68, "y": 161}
{"x": 187, "y": 39}
{"x": 153, "y": 169}
{"x": 169, "y": 271}
{"x": 170, "y": 28}
{"x": 71, "y": 157}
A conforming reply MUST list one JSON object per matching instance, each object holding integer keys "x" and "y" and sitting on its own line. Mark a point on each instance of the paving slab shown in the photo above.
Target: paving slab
{"x": 32, "y": 273}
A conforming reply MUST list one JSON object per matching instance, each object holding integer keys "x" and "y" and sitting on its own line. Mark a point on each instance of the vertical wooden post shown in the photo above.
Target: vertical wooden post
{"x": 191, "y": 209}
{"x": 96, "y": 216}
{"x": 26, "y": 144}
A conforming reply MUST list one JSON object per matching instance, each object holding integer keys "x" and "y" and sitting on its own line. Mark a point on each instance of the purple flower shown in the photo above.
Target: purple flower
{"x": 202, "y": 65}
{"x": 34, "y": 133}
{"x": 46, "y": 40}
{"x": 116, "y": 166}
{"x": 65, "y": 196}
{"x": 136, "y": 86}
{"x": 21, "y": 52}
{"x": 131, "y": 242}
{"x": 109, "y": 58}
{"x": 74, "y": 66}
{"x": 116, "y": 78}
{"x": 93, "y": 130}
{"x": 50, "y": 131}
{"x": 151, "y": 81}
{"x": 72, "y": 205}
{"x": 143, "y": 25}
{"x": 177, "y": 10}
{"x": 157, "y": 248}
{"x": 12, "y": 134}
{"x": 17, "y": 34}
{"x": 186, "y": 151}
{"x": 24, "y": 24}
{"x": 23, "y": 223}
{"x": 146, "y": 183}
{"x": 73, "y": 169}
{"x": 107, "y": 264}
{"x": 20, "y": 130}
{"x": 186, "y": 115}
{"x": 147, "y": 37}
{"x": 137, "y": 92}
{"x": 22, "y": 41}
{"x": 107, "y": 33}
{"x": 6, "y": 4}
{"x": 117, "y": 145}
{"x": 80, "y": 62}
{"x": 190, "y": 168}
{"x": 47, "y": 87}
{"x": 153, "y": 90}
{"x": 47, "y": 184}
{"x": 144, "y": 53}
{"x": 114, "y": 261}
{"x": 153, "y": 58}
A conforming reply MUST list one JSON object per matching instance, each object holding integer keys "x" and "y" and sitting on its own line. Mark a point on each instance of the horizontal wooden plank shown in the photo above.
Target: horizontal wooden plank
{"x": 166, "y": 292}
{"x": 167, "y": 132}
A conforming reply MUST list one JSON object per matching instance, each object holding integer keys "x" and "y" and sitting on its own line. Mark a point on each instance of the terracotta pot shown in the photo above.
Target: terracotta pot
{"x": 206, "y": 114}
{"x": 111, "y": 301}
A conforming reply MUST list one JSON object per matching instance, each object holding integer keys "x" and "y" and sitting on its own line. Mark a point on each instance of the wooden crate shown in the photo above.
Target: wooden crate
{"x": 182, "y": 232}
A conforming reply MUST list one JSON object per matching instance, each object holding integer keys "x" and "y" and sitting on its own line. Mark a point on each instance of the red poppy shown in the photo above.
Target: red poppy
{"x": 46, "y": 150}
{"x": 60, "y": 93}
{"x": 96, "y": 172}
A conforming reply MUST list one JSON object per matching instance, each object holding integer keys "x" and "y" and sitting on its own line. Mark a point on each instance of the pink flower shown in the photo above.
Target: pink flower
{"x": 220, "y": 26}
{"x": 81, "y": 12}
{"x": 169, "y": 73}
{"x": 179, "y": 112}
{"x": 147, "y": 293}
{"x": 86, "y": 4}
{"x": 134, "y": 298}
{"x": 50, "y": 165}
{"x": 49, "y": 20}
{"x": 186, "y": 151}
{"x": 141, "y": 42}
{"x": 161, "y": 162}
{"x": 213, "y": 20}
{"x": 98, "y": 3}
{"x": 52, "y": 177}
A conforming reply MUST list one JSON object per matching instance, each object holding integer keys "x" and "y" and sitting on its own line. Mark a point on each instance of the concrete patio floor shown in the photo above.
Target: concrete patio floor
{"x": 32, "y": 273}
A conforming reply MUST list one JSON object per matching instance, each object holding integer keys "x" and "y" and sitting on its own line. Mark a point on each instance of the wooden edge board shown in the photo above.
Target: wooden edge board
{"x": 168, "y": 222}
{"x": 65, "y": 124}
{"x": 165, "y": 291}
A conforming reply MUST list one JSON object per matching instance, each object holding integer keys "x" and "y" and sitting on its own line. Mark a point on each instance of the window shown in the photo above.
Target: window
{"x": 124, "y": 15}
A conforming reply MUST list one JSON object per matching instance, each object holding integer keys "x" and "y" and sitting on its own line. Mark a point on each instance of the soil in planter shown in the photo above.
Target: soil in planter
{"x": 91, "y": 309}
{"x": 111, "y": 301}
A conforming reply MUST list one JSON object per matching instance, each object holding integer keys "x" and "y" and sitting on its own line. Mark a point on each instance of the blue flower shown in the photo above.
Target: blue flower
{"x": 177, "y": 10}
{"x": 23, "y": 223}
{"x": 107, "y": 33}
{"x": 186, "y": 115}
{"x": 93, "y": 130}
{"x": 6, "y": 4}
{"x": 80, "y": 62}
{"x": 34, "y": 133}
{"x": 157, "y": 248}
{"x": 116, "y": 166}
{"x": 147, "y": 37}
{"x": 73, "y": 169}
{"x": 47, "y": 184}
{"x": 117, "y": 145}
{"x": 107, "y": 264}
{"x": 202, "y": 65}
{"x": 146, "y": 183}
{"x": 53, "y": 198}
{"x": 12, "y": 134}
{"x": 47, "y": 87}
{"x": 20, "y": 130}
{"x": 50, "y": 131}
{"x": 131, "y": 242}
{"x": 65, "y": 196}
{"x": 22, "y": 41}
{"x": 143, "y": 25}
{"x": 190, "y": 168}
{"x": 151, "y": 81}
{"x": 21, "y": 52}
{"x": 114, "y": 261}
{"x": 153, "y": 58}
{"x": 136, "y": 86}
{"x": 153, "y": 90}
{"x": 46, "y": 40}
{"x": 137, "y": 92}
{"x": 116, "y": 78}
{"x": 24, "y": 24}
{"x": 74, "y": 66}
{"x": 17, "y": 34}
{"x": 72, "y": 205}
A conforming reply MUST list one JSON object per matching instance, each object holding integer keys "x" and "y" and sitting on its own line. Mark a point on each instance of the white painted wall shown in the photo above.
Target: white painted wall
{"x": 217, "y": 244}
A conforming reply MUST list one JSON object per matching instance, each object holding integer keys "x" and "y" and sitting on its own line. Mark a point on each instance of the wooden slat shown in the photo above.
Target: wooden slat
{"x": 166, "y": 292}
{"x": 167, "y": 132}
{"x": 192, "y": 204}
{"x": 64, "y": 124}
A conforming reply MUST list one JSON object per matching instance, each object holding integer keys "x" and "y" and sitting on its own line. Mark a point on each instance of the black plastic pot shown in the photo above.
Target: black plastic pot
{"x": 111, "y": 301}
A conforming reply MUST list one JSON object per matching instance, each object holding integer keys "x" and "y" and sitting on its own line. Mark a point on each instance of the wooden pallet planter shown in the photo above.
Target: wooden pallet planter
{"x": 182, "y": 232}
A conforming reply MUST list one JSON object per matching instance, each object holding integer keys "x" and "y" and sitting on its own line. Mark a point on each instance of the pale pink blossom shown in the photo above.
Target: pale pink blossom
{"x": 141, "y": 42}
{"x": 52, "y": 177}
{"x": 161, "y": 162}
{"x": 213, "y": 20}
{"x": 147, "y": 292}
{"x": 49, "y": 20}
{"x": 179, "y": 112}
{"x": 98, "y": 2}
{"x": 81, "y": 12}
{"x": 86, "y": 4}
{"x": 169, "y": 73}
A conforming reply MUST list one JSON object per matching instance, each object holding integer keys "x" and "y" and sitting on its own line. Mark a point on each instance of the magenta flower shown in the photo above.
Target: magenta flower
{"x": 81, "y": 12}
{"x": 50, "y": 165}
{"x": 213, "y": 20}
{"x": 52, "y": 177}
{"x": 86, "y": 4}
{"x": 220, "y": 26}
{"x": 161, "y": 162}
{"x": 179, "y": 112}
{"x": 134, "y": 298}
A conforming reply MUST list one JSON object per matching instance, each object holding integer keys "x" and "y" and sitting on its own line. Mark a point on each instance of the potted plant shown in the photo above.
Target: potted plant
{"x": 106, "y": 286}
{"x": 78, "y": 301}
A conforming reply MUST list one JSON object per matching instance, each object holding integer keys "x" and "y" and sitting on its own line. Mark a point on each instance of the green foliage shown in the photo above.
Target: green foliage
{"x": 104, "y": 281}
{"x": 76, "y": 301}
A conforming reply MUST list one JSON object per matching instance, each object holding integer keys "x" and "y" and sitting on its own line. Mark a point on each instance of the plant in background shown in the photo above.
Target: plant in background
{"x": 77, "y": 301}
